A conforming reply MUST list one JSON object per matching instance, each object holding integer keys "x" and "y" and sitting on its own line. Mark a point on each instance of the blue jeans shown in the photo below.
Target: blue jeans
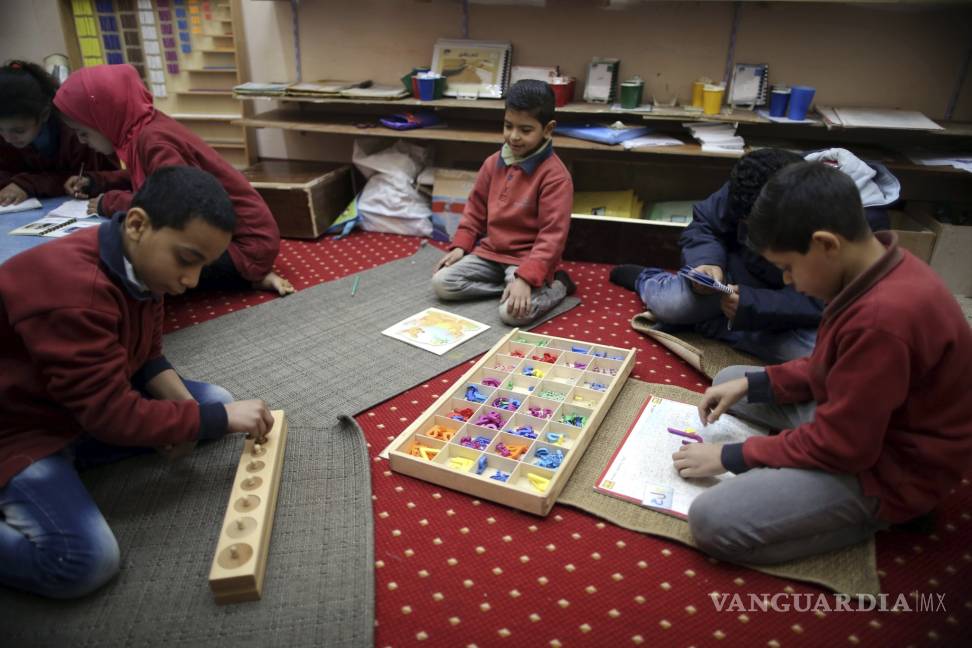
{"x": 53, "y": 539}
{"x": 673, "y": 302}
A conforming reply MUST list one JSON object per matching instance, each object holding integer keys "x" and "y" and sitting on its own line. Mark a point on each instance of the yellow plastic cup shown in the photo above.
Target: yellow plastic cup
{"x": 697, "y": 88}
{"x": 712, "y": 99}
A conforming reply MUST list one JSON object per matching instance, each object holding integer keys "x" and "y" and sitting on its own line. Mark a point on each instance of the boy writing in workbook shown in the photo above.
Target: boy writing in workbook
{"x": 761, "y": 315}
{"x": 515, "y": 223}
{"x": 83, "y": 380}
{"x": 875, "y": 427}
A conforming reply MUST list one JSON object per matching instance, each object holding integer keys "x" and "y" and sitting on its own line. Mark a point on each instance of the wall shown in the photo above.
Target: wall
{"x": 30, "y": 29}
{"x": 893, "y": 56}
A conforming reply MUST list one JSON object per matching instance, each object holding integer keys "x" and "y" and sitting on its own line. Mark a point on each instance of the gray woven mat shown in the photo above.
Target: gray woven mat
{"x": 319, "y": 355}
{"x": 852, "y": 570}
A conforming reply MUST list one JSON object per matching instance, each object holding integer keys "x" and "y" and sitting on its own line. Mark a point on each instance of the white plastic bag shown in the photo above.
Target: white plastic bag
{"x": 391, "y": 201}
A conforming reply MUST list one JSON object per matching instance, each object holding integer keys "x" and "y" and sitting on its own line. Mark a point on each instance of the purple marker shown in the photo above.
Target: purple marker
{"x": 687, "y": 435}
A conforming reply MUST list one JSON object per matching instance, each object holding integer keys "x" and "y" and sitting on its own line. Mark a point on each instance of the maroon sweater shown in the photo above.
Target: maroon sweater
{"x": 165, "y": 142}
{"x": 76, "y": 338}
{"x": 889, "y": 375}
{"x": 43, "y": 176}
{"x": 520, "y": 215}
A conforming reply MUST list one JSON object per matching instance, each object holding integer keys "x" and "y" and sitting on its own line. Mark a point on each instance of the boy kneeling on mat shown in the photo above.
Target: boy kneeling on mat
{"x": 83, "y": 380}
{"x": 875, "y": 427}
{"x": 515, "y": 223}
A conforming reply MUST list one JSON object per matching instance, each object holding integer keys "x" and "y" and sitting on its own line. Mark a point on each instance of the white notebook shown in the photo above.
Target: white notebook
{"x": 26, "y": 205}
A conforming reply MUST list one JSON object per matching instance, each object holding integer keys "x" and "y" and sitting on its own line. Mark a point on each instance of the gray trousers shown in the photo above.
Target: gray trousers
{"x": 771, "y": 515}
{"x": 474, "y": 278}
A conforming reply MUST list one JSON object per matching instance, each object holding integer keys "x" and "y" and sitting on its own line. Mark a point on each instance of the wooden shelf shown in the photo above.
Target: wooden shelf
{"x": 211, "y": 71}
{"x": 204, "y": 117}
{"x": 740, "y": 116}
{"x": 216, "y": 50}
{"x": 458, "y": 131}
{"x": 221, "y": 93}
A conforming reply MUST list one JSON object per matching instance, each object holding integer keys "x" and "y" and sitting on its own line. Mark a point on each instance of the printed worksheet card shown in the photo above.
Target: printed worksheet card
{"x": 435, "y": 330}
{"x": 641, "y": 469}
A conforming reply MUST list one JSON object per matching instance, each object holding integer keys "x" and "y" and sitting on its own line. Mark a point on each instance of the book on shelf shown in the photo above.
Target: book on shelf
{"x": 602, "y": 80}
{"x": 259, "y": 89}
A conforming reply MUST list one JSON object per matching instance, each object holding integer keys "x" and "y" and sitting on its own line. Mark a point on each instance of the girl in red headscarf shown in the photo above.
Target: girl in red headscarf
{"x": 112, "y": 111}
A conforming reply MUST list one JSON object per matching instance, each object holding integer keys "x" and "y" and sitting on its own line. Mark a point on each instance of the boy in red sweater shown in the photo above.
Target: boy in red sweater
{"x": 876, "y": 423}
{"x": 83, "y": 379}
{"x": 514, "y": 227}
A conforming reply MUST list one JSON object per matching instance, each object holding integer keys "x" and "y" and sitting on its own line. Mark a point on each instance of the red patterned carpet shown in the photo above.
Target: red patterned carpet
{"x": 454, "y": 571}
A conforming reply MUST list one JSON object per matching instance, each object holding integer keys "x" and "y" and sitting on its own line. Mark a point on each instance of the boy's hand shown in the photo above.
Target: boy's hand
{"x": 718, "y": 398}
{"x": 730, "y": 303}
{"x": 713, "y": 271}
{"x": 699, "y": 460}
{"x": 517, "y": 298}
{"x": 454, "y": 255}
{"x": 77, "y": 186}
{"x": 251, "y": 417}
{"x": 93, "y": 205}
{"x": 11, "y": 195}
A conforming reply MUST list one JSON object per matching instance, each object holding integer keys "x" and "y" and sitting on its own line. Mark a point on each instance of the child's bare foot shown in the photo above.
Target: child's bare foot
{"x": 274, "y": 283}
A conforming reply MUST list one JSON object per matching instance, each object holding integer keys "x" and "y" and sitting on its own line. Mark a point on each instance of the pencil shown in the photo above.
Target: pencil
{"x": 80, "y": 177}
{"x": 354, "y": 286}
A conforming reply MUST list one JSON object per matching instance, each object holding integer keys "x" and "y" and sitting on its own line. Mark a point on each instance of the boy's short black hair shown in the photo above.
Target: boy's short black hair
{"x": 749, "y": 175}
{"x": 26, "y": 90}
{"x": 172, "y": 196}
{"x": 534, "y": 97}
{"x": 802, "y": 199}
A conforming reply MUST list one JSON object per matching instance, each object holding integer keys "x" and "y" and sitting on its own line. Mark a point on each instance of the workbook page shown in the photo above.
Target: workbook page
{"x": 641, "y": 469}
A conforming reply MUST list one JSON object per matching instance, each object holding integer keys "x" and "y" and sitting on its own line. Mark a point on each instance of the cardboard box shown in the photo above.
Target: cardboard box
{"x": 304, "y": 197}
{"x": 951, "y": 255}
{"x": 912, "y": 236}
{"x": 450, "y": 191}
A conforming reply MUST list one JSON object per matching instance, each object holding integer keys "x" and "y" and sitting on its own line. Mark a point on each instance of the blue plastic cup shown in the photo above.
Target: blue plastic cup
{"x": 779, "y": 97}
{"x": 426, "y": 86}
{"x": 800, "y": 99}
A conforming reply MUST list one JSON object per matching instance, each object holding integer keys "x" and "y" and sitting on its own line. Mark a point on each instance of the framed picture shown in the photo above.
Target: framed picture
{"x": 473, "y": 69}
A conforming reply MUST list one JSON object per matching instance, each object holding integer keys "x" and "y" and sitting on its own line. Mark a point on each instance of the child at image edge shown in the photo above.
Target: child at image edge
{"x": 876, "y": 423}
{"x": 83, "y": 380}
{"x": 515, "y": 223}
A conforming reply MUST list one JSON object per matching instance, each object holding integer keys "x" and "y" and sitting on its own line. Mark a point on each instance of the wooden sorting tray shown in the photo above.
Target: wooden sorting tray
{"x": 516, "y": 384}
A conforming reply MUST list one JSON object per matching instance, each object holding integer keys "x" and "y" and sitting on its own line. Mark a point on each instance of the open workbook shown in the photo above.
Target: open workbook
{"x": 67, "y": 218}
{"x": 641, "y": 469}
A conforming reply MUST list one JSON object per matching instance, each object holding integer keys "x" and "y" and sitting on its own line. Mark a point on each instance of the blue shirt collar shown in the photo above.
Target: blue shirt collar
{"x": 530, "y": 164}
{"x": 113, "y": 257}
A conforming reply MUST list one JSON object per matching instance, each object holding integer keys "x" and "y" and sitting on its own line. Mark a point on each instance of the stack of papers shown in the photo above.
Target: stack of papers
{"x": 717, "y": 137}
{"x": 962, "y": 161}
{"x": 257, "y": 89}
{"x": 876, "y": 118}
{"x": 649, "y": 141}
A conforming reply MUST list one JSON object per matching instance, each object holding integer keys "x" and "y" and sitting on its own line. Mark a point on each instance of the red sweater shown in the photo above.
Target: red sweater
{"x": 520, "y": 215}
{"x": 75, "y": 335}
{"x": 890, "y": 377}
{"x": 165, "y": 142}
{"x": 43, "y": 176}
